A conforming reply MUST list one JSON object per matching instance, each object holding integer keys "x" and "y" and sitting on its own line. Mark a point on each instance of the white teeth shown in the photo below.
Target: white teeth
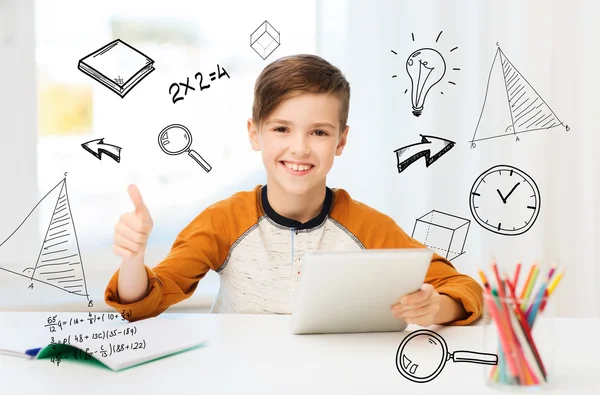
{"x": 297, "y": 167}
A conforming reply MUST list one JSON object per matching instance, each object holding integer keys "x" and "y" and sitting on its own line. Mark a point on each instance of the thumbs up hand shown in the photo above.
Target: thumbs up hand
{"x": 133, "y": 229}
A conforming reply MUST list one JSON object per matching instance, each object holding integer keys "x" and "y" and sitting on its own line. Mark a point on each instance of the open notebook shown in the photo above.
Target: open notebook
{"x": 119, "y": 345}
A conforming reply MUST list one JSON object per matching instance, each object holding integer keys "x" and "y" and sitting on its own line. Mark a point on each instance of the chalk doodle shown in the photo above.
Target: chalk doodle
{"x": 97, "y": 147}
{"x": 439, "y": 146}
{"x": 505, "y": 200}
{"x": 422, "y": 355}
{"x": 265, "y": 39}
{"x": 58, "y": 263}
{"x": 442, "y": 232}
{"x": 118, "y": 66}
{"x": 511, "y": 98}
{"x": 176, "y": 139}
{"x": 426, "y": 67}
{"x": 221, "y": 72}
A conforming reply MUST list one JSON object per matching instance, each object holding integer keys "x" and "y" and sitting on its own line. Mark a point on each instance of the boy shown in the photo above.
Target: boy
{"x": 255, "y": 239}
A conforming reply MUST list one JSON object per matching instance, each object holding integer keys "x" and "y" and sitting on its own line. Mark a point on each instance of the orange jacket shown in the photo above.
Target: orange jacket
{"x": 258, "y": 252}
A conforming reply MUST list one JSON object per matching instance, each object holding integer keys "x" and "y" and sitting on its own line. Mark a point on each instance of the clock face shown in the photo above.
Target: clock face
{"x": 505, "y": 200}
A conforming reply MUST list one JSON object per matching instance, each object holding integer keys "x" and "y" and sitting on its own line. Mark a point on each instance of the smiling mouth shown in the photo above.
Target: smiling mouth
{"x": 296, "y": 167}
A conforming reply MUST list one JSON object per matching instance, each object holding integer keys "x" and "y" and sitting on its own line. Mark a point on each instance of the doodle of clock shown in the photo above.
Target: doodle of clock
{"x": 505, "y": 200}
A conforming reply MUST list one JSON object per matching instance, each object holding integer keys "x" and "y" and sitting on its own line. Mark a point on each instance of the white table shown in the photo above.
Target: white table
{"x": 255, "y": 354}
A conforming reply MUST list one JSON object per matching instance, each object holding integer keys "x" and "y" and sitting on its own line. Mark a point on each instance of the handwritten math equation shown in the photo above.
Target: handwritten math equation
{"x": 106, "y": 350}
{"x": 54, "y": 322}
{"x": 102, "y": 335}
{"x": 175, "y": 88}
{"x": 113, "y": 341}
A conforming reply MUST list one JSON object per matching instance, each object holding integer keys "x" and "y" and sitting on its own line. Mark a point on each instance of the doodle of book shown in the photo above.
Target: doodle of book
{"x": 118, "y": 66}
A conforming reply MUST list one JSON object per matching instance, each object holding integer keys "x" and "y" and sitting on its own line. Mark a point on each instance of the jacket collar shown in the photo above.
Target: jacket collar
{"x": 292, "y": 223}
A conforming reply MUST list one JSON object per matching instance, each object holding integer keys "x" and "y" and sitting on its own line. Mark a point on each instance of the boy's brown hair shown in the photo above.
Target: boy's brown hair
{"x": 293, "y": 75}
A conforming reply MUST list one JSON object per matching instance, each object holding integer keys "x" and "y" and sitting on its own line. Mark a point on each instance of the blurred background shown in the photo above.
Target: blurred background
{"x": 48, "y": 108}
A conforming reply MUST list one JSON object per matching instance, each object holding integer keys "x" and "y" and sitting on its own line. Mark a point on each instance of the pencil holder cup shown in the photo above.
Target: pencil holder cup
{"x": 524, "y": 339}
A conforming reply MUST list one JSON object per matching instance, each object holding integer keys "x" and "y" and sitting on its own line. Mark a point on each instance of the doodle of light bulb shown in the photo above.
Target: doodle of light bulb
{"x": 426, "y": 67}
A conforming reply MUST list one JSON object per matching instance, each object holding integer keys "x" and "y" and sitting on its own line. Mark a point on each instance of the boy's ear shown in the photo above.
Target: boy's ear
{"x": 253, "y": 135}
{"x": 342, "y": 141}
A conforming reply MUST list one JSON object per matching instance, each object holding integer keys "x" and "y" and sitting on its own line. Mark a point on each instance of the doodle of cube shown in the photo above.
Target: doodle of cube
{"x": 265, "y": 40}
{"x": 444, "y": 233}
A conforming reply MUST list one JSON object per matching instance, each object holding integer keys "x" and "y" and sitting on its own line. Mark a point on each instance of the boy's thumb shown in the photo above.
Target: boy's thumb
{"x": 136, "y": 199}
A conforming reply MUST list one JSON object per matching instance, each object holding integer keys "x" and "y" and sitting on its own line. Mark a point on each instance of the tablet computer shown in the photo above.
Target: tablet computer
{"x": 353, "y": 291}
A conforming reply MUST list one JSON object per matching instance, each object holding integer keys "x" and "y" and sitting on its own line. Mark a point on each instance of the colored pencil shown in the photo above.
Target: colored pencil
{"x": 494, "y": 306}
{"x": 517, "y": 272}
{"x": 516, "y": 349}
{"x": 552, "y": 287}
{"x": 530, "y": 371}
{"x": 514, "y": 325}
{"x": 520, "y": 329}
{"x": 533, "y": 311}
{"x": 555, "y": 282}
{"x": 528, "y": 336}
{"x": 483, "y": 277}
{"x": 527, "y": 281}
{"x": 512, "y": 337}
{"x": 498, "y": 372}
{"x": 551, "y": 272}
{"x": 532, "y": 281}
{"x": 543, "y": 289}
{"x": 503, "y": 335}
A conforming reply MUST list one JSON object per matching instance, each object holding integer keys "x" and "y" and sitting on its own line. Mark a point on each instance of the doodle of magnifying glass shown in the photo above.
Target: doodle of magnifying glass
{"x": 422, "y": 355}
{"x": 176, "y": 139}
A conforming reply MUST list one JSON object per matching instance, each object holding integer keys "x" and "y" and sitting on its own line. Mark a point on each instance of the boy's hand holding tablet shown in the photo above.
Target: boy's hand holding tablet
{"x": 427, "y": 307}
{"x": 419, "y": 307}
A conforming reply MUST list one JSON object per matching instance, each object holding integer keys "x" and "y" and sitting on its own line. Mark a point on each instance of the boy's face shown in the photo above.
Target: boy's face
{"x": 299, "y": 141}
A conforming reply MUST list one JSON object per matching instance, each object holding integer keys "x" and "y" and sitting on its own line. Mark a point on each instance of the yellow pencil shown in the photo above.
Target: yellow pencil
{"x": 483, "y": 277}
{"x": 555, "y": 282}
{"x": 551, "y": 287}
{"x": 530, "y": 284}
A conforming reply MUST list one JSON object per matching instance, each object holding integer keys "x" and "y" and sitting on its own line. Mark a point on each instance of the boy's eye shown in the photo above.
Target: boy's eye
{"x": 281, "y": 129}
{"x": 321, "y": 133}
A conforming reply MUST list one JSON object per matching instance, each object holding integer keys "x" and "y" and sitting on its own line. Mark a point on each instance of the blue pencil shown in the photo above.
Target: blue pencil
{"x": 536, "y": 305}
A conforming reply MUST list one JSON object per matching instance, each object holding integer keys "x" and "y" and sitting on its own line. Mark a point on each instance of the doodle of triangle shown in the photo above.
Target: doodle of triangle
{"x": 511, "y": 101}
{"x": 58, "y": 261}
{"x": 528, "y": 110}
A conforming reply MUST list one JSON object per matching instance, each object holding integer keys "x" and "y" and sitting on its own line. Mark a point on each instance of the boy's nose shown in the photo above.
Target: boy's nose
{"x": 300, "y": 147}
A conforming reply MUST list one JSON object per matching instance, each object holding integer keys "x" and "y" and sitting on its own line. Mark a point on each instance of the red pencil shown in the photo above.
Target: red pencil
{"x": 512, "y": 335}
{"x": 545, "y": 300}
{"x": 517, "y": 272}
{"x": 527, "y": 331}
{"x": 503, "y": 333}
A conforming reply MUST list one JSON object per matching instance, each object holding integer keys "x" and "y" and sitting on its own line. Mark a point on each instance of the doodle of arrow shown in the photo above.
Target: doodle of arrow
{"x": 427, "y": 145}
{"x": 97, "y": 148}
